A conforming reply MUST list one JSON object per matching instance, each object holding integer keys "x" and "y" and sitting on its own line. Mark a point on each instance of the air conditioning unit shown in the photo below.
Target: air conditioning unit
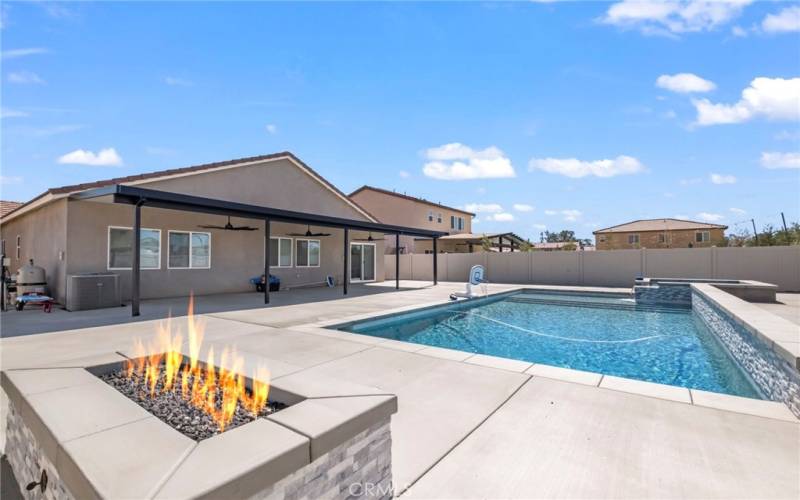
{"x": 92, "y": 291}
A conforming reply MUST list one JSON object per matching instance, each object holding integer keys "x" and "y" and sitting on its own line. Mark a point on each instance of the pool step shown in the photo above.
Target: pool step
{"x": 632, "y": 306}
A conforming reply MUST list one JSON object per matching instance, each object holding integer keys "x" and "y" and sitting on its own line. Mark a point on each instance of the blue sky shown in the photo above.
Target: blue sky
{"x": 558, "y": 115}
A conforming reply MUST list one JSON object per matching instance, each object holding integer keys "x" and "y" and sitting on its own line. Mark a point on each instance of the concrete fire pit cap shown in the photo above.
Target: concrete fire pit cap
{"x": 106, "y": 446}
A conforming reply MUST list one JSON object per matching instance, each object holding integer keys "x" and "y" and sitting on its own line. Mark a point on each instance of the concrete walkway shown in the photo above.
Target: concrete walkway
{"x": 787, "y": 307}
{"x": 475, "y": 426}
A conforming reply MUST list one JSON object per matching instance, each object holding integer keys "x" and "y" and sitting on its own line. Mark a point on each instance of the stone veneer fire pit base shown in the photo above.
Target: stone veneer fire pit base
{"x": 93, "y": 442}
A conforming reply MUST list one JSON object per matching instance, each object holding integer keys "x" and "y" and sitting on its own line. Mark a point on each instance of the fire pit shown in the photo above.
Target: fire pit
{"x": 198, "y": 399}
{"x": 161, "y": 423}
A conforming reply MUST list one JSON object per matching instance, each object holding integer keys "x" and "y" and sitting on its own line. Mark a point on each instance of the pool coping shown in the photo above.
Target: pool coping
{"x": 725, "y": 402}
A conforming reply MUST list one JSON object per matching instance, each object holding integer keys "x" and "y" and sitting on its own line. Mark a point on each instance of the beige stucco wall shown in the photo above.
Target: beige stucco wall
{"x": 78, "y": 232}
{"x": 276, "y": 184}
{"x": 43, "y": 238}
{"x": 409, "y": 213}
{"x": 236, "y": 256}
{"x": 617, "y": 268}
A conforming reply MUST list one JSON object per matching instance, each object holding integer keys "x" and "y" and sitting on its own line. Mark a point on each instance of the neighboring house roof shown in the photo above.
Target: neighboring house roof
{"x": 135, "y": 179}
{"x": 644, "y": 225}
{"x": 555, "y": 244}
{"x": 8, "y": 206}
{"x": 410, "y": 198}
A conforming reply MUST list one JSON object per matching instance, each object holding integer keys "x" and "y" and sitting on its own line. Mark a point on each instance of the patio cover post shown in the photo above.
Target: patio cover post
{"x": 266, "y": 260}
{"x": 346, "y": 259}
{"x": 397, "y": 261}
{"x": 435, "y": 263}
{"x": 136, "y": 266}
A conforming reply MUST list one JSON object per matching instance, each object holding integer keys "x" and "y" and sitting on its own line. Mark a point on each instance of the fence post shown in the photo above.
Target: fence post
{"x": 714, "y": 262}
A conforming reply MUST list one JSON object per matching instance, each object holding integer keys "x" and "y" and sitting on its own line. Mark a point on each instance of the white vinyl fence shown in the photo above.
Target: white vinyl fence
{"x": 777, "y": 265}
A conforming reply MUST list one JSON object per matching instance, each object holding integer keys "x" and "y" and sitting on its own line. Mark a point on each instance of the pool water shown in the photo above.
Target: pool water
{"x": 609, "y": 335}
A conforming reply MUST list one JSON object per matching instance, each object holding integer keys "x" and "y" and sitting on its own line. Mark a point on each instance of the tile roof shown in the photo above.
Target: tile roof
{"x": 8, "y": 206}
{"x": 659, "y": 225}
{"x": 408, "y": 197}
{"x": 184, "y": 170}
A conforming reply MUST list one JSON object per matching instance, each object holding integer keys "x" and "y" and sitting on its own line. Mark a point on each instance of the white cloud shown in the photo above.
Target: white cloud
{"x": 771, "y": 98}
{"x": 522, "y": 207}
{"x": 501, "y": 217}
{"x": 685, "y": 83}
{"x": 12, "y": 113}
{"x": 177, "y": 82}
{"x": 738, "y": 211}
{"x": 738, "y": 31}
{"x": 24, "y": 77}
{"x": 550, "y": 212}
{"x": 477, "y": 208}
{"x": 780, "y": 160}
{"x": 722, "y": 179}
{"x": 709, "y": 217}
{"x": 30, "y": 51}
{"x": 104, "y": 158}
{"x": 404, "y": 174}
{"x": 455, "y": 161}
{"x": 785, "y": 21}
{"x": 786, "y": 135}
{"x": 10, "y": 179}
{"x": 672, "y": 17}
{"x": 571, "y": 215}
{"x": 271, "y": 129}
{"x": 541, "y": 227}
{"x": 572, "y": 167}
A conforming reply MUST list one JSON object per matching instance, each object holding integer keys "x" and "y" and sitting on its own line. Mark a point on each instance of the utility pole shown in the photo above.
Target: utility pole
{"x": 785, "y": 231}
{"x": 755, "y": 233}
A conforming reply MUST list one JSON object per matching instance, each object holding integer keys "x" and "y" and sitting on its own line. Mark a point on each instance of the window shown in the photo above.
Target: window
{"x": 662, "y": 237}
{"x": 633, "y": 239}
{"x": 120, "y": 248}
{"x": 439, "y": 217}
{"x": 460, "y": 223}
{"x": 602, "y": 239}
{"x": 307, "y": 253}
{"x": 456, "y": 222}
{"x": 452, "y": 222}
{"x": 19, "y": 244}
{"x": 702, "y": 236}
{"x": 430, "y": 215}
{"x": 189, "y": 250}
{"x": 280, "y": 252}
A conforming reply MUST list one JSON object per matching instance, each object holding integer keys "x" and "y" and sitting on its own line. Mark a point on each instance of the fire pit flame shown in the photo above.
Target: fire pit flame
{"x": 217, "y": 392}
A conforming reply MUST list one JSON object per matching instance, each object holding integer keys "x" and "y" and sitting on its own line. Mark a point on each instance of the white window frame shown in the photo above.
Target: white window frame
{"x": 191, "y": 254}
{"x": 452, "y": 222}
{"x": 308, "y": 251}
{"x": 430, "y": 215}
{"x": 633, "y": 239}
{"x": 439, "y": 218}
{"x": 460, "y": 222}
{"x": 19, "y": 245}
{"x": 705, "y": 238}
{"x": 374, "y": 262}
{"x": 291, "y": 252}
{"x": 663, "y": 238}
{"x": 108, "y": 249}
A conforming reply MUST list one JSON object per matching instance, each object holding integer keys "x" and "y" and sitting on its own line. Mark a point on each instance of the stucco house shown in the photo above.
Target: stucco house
{"x": 203, "y": 229}
{"x": 660, "y": 233}
{"x": 401, "y": 209}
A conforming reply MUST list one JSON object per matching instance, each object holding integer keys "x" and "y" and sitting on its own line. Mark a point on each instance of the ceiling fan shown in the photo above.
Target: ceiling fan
{"x": 230, "y": 227}
{"x": 308, "y": 233}
{"x": 370, "y": 238}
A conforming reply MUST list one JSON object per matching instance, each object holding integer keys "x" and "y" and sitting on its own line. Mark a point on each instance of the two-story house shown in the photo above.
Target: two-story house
{"x": 660, "y": 233}
{"x": 391, "y": 207}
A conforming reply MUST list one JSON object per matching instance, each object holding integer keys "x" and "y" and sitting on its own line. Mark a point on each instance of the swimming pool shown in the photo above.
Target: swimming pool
{"x": 607, "y": 334}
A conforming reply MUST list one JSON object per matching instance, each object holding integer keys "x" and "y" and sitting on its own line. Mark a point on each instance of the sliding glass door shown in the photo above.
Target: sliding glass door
{"x": 362, "y": 262}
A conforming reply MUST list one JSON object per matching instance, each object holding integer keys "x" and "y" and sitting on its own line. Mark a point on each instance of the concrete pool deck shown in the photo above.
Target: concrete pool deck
{"x": 478, "y": 426}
